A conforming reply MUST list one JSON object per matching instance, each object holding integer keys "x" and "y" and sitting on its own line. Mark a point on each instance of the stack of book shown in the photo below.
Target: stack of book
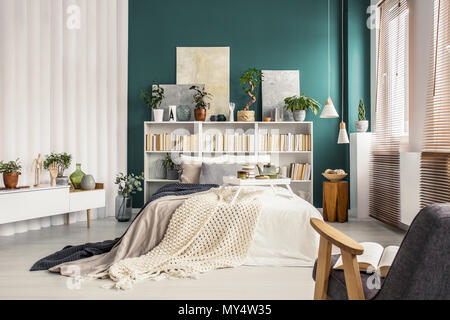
{"x": 285, "y": 142}
{"x": 229, "y": 142}
{"x": 169, "y": 142}
{"x": 299, "y": 171}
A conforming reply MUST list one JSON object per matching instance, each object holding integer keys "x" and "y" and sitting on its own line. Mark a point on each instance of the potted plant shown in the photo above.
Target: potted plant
{"x": 300, "y": 105}
{"x": 249, "y": 80}
{"x": 201, "y": 104}
{"x": 62, "y": 161}
{"x": 362, "y": 125}
{"x": 153, "y": 97}
{"x": 11, "y": 172}
{"x": 171, "y": 168}
{"x": 128, "y": 185}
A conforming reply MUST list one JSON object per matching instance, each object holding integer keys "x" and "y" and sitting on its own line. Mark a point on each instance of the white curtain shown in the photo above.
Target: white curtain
{"x": 63, "y": 87}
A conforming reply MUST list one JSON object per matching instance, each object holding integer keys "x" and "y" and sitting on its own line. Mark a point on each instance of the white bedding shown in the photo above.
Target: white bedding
{"x": 284, "y": 236}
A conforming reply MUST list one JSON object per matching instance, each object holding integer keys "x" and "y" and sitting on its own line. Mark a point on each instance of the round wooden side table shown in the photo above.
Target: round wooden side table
{"x": 335, "y": 201}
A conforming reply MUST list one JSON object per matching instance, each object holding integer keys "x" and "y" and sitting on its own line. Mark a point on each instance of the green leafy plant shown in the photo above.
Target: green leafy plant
{"x": 303, "y": 102}
{"x": 249, "y": 80}
{"x": 63, "y": 160}
{"x": 153, "y": 96}
{"x": 129, "y": 184}
{"x": 169, "y": 164}
{"x": 361, "y": 111}
{"x": 201, "y": 97}
{"x": 11, "y": 167}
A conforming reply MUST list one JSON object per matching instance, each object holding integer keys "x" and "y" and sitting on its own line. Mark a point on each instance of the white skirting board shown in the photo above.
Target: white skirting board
{"x": 10, "y": 229}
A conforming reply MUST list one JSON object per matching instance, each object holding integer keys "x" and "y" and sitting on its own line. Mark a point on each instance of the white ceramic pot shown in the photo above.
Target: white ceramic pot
{"x": 362, "y": 126}
{"x": 158, "y": 115}
{"x": 300, "y": 115}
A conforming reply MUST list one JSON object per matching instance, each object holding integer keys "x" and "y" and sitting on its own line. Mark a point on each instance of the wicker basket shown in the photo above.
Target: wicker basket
{"x": 334, "y": 177}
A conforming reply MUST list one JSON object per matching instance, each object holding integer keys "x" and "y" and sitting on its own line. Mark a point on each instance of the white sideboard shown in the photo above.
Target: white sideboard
{"x": 46, "y": 201}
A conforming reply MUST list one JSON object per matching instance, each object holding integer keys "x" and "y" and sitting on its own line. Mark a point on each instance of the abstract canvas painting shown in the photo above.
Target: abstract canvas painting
{"x": 278, "y": 85}
{"x": 210, "y": 66}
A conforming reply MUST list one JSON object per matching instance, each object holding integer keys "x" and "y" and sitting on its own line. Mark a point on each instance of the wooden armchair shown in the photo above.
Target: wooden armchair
{"x": 420, "y": 270}
{"x": 349, "y": 250}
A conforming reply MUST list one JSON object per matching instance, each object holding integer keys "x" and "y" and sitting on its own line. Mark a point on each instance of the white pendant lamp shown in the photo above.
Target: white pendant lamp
{"x": 329, "y": 111}
{"x": 343, "y": 136}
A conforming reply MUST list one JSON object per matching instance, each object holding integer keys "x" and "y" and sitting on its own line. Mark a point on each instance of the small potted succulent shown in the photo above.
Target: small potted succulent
{"x": 362, "y": 125}
{"x": 153, "y": 98}
{"x": 201, "y": 104}
{"x": 300, "y": 105}
{"x": 172, "y": 169}
{"x": 249, "y": 80}
{"x": 62, "y": 162}
{"x": 11, "y": 171}
{"x": 128, "y": 185}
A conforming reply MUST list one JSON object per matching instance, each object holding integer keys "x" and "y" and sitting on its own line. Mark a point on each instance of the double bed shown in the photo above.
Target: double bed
{"x": 281, "y": 236}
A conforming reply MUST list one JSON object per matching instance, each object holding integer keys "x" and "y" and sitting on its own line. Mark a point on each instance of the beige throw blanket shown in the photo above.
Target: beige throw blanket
{"x": 205, "y": 233}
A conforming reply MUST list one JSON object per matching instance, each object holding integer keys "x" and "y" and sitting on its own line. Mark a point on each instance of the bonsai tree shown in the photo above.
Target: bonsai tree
{"x": 249, "y": 81}
{"x": 200, "y": 98}
{"x": 153, "y": 96}
{"x": 302, "y": 103}
{"x": 11, "y": 167}
{"x": 62, "y": 160}
{"x": 361, "y": 111}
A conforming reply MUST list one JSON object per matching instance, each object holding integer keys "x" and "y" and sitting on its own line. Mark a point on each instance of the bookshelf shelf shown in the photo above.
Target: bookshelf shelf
{"x": 201, "y": 130}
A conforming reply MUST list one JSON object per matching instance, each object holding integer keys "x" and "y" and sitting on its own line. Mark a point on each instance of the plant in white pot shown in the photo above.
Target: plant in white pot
{"x": 362, "y": 125}
{"x": 128, "y": 185}
{"x": 300, "y": 105}
{"x": 153, "y": 98}
{"x": 249, "y": 81}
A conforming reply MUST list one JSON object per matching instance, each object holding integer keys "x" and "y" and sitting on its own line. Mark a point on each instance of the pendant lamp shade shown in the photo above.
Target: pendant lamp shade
{"x": 329, "y": 111}
{"x": 343, "y": 136}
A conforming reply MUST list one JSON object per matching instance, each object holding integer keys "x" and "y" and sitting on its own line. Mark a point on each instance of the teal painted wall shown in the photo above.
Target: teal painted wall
{"x": 266, "y": 34}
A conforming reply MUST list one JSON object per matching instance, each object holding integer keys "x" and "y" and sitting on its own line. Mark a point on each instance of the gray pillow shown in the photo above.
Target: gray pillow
{"x": 213, "y": 173}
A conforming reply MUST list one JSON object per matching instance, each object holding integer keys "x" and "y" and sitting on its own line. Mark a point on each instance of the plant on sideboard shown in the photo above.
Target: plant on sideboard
{"x": 201, "y": 98}
{"x": 362, "y": 125}
{"x": 128, "y": 185}
{"x": 249, "y": 80}
{"x": 153, "y": 98}
{"x": 59, "y": 162}
{"x": 300, "y": 105}
{"x": 171, "y": 168}
{"x": 11, "y": 171}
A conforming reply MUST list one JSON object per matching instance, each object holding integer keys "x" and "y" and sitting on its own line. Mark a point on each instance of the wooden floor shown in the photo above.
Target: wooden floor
{"x": 20, "y": 251}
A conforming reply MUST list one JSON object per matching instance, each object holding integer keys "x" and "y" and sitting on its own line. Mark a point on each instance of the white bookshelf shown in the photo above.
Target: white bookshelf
{"x": 278, "y": 158}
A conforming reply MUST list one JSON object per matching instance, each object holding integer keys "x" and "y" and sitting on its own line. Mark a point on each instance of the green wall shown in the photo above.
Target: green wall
{"x": 266, "y": 34}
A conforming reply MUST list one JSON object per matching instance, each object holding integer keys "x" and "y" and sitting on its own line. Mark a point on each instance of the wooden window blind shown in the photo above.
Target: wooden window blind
{"x": 435, "y": 166}
{"x": 392, "y": 108}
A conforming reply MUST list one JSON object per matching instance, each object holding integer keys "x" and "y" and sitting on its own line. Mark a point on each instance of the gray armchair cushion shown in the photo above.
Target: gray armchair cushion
{"x": 421, "y": 269}
{"x": 337, "y": 289}
{"x": 213, "y": 173}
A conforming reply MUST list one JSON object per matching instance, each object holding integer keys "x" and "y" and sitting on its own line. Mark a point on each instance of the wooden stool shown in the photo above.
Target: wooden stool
{"x": 335, "y": 201}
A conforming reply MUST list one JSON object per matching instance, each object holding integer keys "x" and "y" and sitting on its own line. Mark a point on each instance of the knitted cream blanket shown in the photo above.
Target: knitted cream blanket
{"x": 204, "y": 234}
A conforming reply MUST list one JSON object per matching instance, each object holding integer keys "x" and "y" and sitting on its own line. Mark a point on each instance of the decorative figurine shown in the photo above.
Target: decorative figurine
{"x": 38, "y": 167}
{"x": 53, "y": 169}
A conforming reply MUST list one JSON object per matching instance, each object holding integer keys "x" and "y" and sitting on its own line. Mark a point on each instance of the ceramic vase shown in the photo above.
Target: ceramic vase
{"x": 300, "y": 115}
{"x": 123, "y": 208}
{"x": 200, "y": 115}
{"x": 184, "y": 113}
{"x": 77, "y": 176}
{"x": 158, "y": 115}
{"x": 172, "y": 174}
{"x": 88, "y": 182}
{"x": 62, "y": 181}
{"x": 362, "y": 126}
{"x": 10, "y": 180}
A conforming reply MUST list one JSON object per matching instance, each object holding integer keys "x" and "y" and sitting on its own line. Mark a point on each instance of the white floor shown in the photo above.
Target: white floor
{"x": 20, "y": 251}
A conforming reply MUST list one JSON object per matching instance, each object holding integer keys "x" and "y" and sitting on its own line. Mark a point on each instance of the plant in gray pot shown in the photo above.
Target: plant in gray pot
{"x": 63, "y": 161}
{"x": 171, "y": 168}
{"x": 362, "y": 125}
{"x": 128, "y": 185}
{"x": 300, "y": 105}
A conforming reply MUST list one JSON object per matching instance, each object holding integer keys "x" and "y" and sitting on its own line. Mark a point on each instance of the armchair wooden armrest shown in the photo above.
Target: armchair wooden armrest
{"x": 349, "y": 249}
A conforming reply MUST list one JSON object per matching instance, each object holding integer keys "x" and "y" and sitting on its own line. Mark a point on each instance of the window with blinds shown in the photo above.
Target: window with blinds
{"x": 392, "y": 110}
{"x": 435, "y": 167}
